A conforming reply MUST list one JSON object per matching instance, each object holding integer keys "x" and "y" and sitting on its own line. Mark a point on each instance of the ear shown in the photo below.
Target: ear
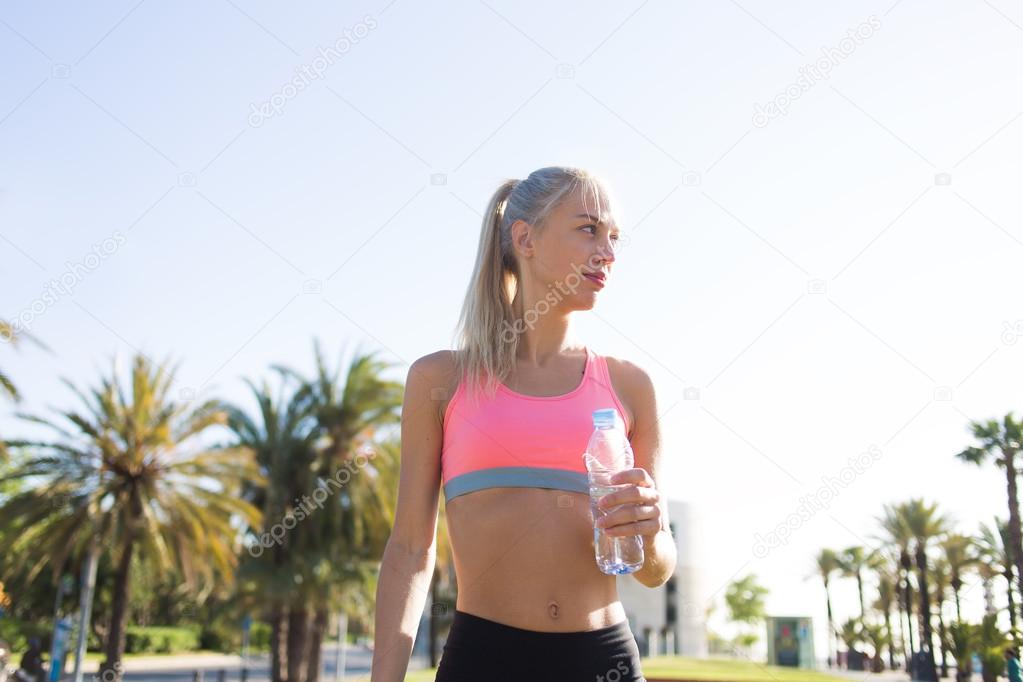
{"x": 522, "y": 237}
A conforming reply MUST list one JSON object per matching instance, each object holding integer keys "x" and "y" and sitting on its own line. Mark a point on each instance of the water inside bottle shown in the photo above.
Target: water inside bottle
{"x": 609, "y": 548}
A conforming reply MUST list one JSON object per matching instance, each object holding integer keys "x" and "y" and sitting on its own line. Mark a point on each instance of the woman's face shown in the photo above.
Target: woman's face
{"x": 573, "y": 242}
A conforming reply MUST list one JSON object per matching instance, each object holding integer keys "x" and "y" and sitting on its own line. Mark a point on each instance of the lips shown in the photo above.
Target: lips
{"x": 600, "y": 276}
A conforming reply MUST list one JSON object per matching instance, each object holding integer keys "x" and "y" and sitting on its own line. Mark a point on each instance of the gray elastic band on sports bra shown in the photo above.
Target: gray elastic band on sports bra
{"x": 517, "y": 477}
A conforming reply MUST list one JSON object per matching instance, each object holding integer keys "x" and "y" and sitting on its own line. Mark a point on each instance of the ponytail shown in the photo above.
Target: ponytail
{"x": 487, "y": 306}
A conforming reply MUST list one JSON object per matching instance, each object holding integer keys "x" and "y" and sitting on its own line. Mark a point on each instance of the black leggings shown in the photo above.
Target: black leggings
{"x": 482, "y": 650}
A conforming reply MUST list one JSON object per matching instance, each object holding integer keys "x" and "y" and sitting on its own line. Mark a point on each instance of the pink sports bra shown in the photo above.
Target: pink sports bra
{"x": 522, "y": 441}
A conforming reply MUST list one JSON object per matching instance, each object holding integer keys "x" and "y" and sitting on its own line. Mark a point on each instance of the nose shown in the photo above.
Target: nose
{"x": 606, "y": 251}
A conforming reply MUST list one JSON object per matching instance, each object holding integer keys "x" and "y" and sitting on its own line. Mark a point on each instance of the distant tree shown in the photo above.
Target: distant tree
{"x": 744, "y": 599}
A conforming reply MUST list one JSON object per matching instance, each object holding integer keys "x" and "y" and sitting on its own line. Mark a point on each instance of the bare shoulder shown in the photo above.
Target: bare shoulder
{"x": 436, "y": 373}
{"x": 628, "y": 371}
{"x": 633, "y": 385}
{"x": 436, "y": 363}
{"x": 639, "y": 397}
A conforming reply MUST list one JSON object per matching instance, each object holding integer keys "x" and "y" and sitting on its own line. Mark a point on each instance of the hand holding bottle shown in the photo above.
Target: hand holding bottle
{"x": 609, "y": 465}
{"x": 632, "y": 509}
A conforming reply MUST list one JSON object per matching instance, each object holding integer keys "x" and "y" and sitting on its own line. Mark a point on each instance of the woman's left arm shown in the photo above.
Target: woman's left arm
{"x": 645, "y": 510}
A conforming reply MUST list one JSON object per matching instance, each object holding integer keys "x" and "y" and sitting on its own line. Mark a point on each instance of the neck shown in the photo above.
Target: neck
{"x": 544, "y": 338}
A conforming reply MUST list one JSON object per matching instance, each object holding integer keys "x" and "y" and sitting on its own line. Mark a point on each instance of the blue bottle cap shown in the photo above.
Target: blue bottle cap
{"x": 605, "y": 417}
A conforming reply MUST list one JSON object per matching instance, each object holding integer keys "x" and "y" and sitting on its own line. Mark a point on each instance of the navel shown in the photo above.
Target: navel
{"x": 553, "y": 609}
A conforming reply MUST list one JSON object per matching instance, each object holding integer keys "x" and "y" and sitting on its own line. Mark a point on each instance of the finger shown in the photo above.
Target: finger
{"x": 625, "y": 476}
{"x": 635, "y": 475}
{"x": 645, "y": 527}
{"x": 618, "y": 498}
{"x": 630, "y": 495}
{"x": 628, "y": 514}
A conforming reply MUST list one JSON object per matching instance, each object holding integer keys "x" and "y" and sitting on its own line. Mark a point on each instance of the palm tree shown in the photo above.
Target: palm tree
{"x": 897, "y": 534}
{"x": 340, "y": 545}
{"x": 887, "y": 595}
{"x": 851, "y": 563}
{"x": 925, "y": 524}
{"x": 11, "y": 334}
{"x": 827, "y": 563}
{"x": 960, "y": 554}
{"x": 282, "y": 438}
{"x": 962, "y": 641}
{"x": 1002, "y": 441}
{"x": 991, "y": 641}
{"x": 7, "y": 333}
{"x": 942, "y": 581}
{"x": 877, "y": 637}
{"x": 992, "y": 543}
{"x": 852, "y": 633}
{"x": 130, "y": 480}
{"x": 987, "y": 573}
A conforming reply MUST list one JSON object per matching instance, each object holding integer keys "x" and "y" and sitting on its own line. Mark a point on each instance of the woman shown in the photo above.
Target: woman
{"x": 501, "y": 425}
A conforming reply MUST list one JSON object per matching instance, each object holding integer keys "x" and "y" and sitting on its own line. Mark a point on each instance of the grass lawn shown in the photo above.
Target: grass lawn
{"x": 711, "y": 669}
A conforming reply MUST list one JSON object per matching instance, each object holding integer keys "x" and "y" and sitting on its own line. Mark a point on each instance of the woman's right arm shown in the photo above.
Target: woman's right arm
{"x": 409, "y": 557}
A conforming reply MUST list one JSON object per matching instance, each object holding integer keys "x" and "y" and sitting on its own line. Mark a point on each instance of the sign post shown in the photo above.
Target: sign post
{"x": 59, "y": 648}
{"x": 85, "y": 608}
{"x": 246, "y": 629}
{"x": 342, "y": 635}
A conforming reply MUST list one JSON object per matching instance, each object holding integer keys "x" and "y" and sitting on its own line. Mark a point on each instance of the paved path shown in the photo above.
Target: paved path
{"x": 182, "y": 668}
{"x": 890, "y": 675}
{"x": 863, "y": 676}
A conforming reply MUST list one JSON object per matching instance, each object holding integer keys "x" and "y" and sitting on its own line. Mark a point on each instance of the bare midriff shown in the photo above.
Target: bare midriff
{"x": 524, "y": 557}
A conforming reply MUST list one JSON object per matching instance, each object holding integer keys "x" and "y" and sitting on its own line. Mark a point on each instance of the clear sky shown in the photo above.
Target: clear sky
{"x": 821, "y": 203}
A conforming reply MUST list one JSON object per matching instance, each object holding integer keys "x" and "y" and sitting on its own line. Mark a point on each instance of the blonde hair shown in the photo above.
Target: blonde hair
{"x": 485, "y": 357}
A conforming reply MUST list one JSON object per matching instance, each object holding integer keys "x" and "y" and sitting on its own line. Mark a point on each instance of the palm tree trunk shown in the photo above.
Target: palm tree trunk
{"x": 298, "y": 629}
{"x": 319, "y": 627}
{"x": 859, "y": 586}
{"x": 277, "y": 642}
{"x": 278, "y": 622}
{"x": 900, "y": 612}
{"x": 957, "y": 584}
{"x": 1012, "y": 599}
{"x": 907, "y": 568}
{"x": 941, "y": 641}
{"x": 831, "y": 625}
{"x": 907, "y": 592}
{"x": 891, "y": 638}
{"x": 111, "y": 670}
{"x": 1015, "y": 548}
{"x": 927, "y": 645}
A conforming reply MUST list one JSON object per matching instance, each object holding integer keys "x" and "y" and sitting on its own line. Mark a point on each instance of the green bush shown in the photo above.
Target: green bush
{"x": 259, "y": 636}
{"x": 226, "y": 636}
{"x": 160, "y": 639}
{"x": 17, "y": 633}
{"x": 217, "y": 637}
{"x": 136, "y": 642}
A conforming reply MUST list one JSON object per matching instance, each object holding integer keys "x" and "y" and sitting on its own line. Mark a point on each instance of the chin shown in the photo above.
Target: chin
{"x": 587, "y": 304}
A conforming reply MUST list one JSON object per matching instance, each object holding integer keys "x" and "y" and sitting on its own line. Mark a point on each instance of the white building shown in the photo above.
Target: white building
{"x": 670, "y": 619}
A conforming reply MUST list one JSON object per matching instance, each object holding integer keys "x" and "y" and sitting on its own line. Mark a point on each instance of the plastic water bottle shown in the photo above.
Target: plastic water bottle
{"x": 607, "y": 453}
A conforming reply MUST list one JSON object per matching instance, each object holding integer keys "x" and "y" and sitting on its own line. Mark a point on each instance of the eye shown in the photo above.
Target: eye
{"x": 593, "y": 226}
